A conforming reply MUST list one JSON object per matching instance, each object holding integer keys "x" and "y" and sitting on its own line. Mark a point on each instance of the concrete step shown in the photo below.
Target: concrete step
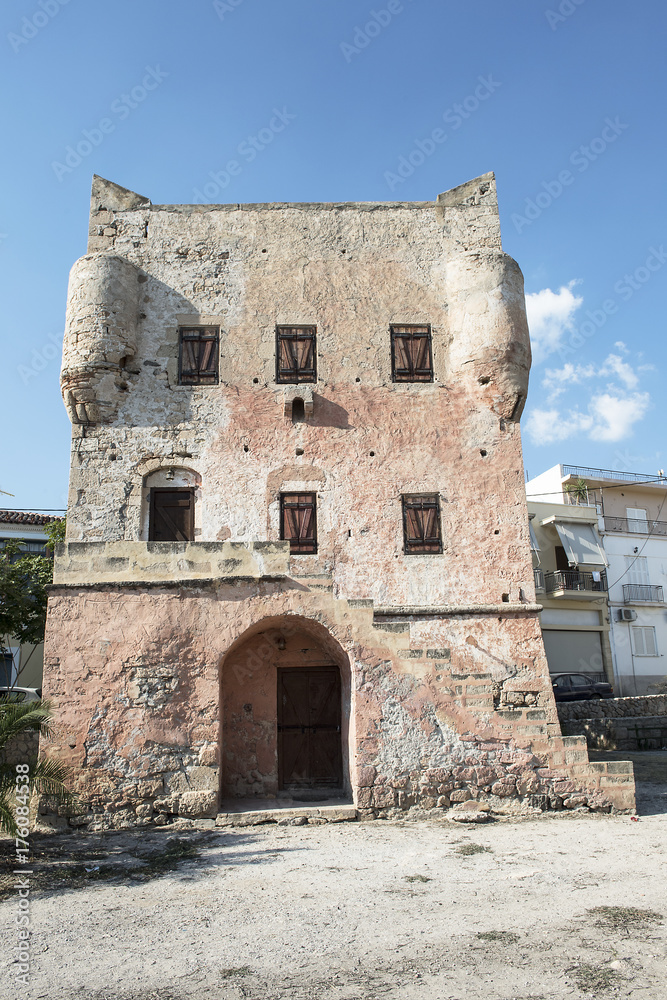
{"x": 286, "y": 813}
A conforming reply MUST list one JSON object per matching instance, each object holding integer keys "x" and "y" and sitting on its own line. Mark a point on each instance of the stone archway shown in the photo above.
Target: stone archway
{"x": 285, "y": 713}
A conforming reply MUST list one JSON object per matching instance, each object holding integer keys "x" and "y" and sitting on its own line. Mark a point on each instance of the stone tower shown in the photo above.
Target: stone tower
{"x": 298, "y": 561}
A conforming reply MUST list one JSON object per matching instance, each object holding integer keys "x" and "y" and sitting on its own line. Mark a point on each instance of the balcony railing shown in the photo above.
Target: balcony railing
{"x": 575, "y": 580}
{"x": 642, "y": 593}
{"x": 635, "y": 525}
{"x": 627, "y": 477}
{"x": 538, "y": 575}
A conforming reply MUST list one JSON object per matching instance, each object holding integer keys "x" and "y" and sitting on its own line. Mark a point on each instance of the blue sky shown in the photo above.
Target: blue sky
{"x": 571, "y": 120}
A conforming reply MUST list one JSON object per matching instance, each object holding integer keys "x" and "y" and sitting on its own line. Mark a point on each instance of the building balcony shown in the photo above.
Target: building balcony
{"x": 635, "y": 526}
{"x": 538, "y": 576}
{"x": 584, "y": 472}
{"x": 576, "y": 585}
{"x": 642, "y": 593}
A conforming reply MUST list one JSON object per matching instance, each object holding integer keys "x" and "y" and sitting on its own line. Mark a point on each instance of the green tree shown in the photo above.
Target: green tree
{"x": 24, "y": 578}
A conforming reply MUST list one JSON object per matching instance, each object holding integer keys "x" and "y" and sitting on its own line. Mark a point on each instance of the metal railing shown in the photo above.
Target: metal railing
{"x": 642, "y": 593}
{"x": 573, "y": 579}
{"x": 538, "y": 576}
{"x": 635, "y": 525}
{"x": 627, "y": 477}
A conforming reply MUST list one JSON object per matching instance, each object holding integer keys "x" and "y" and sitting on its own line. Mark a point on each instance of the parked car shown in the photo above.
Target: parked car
{"x": 20, "y": 694}
{"x": 579, "y": 687}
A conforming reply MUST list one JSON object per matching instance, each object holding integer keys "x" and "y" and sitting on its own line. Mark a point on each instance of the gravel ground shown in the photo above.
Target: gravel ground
{"x": 556, "y": 906}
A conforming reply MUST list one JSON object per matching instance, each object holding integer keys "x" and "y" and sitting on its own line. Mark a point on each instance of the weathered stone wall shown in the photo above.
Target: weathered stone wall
{"x": 613, "y": 708}
{"x": 644, "y": 732}
{"x": 22, "y": 749}
{"x": 441, "y": 711}
{"x": 351, "y": 270}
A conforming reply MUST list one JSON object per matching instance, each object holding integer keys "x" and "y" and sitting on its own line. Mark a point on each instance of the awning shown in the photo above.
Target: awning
{"x": 534, "y": 547}
{"x": 580, "y": 543}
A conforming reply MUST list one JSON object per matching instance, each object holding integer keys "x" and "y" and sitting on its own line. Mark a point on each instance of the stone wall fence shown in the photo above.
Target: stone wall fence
{"x": 613, "y": 708}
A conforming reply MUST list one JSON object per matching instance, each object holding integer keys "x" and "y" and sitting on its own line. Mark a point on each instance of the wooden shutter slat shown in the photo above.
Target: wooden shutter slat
{"x": 205, "y": 355}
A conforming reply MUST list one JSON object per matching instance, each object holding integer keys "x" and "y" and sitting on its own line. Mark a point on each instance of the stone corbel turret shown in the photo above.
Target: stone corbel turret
{"x": 487, "y": 309}
{"x": 491, "y": 345}
{"x": 102, "y": 316}
{"x": 100, "y": 335}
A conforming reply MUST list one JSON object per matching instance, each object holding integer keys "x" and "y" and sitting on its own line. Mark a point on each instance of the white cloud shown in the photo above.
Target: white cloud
{"x": 608, "y": 417}
{"x": 549, "y": 318}
{"x": 615, "y": 416}
{"x": 558, "y": 380}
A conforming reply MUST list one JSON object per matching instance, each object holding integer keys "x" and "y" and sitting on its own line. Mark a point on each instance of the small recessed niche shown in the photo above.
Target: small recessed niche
{"x": 482, "y": 452}
{"x": 372, "y": 454}
{"x": 299, "y": 451}
{"x": 506, "y": 598}
{"x": 484, "y": 380}
{"x": 497, "y": 531}
{"x": 298, "y": 411}
{"x": 256, "y": 380}
{"x": 246, "y": 448}
{"x": 357, "y": 379}
{"x": 263, "y": 251}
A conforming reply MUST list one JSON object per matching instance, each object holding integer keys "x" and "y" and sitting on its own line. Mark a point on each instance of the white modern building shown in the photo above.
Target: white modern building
{"x": 631, "y": 513}
{"x": 570, "y": 571}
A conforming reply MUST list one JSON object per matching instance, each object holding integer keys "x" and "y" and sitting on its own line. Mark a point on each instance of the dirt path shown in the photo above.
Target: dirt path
{"x": 433, "y": 911}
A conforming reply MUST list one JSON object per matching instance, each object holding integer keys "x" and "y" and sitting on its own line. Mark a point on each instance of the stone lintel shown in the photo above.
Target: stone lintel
{"x": 454, "y": 610}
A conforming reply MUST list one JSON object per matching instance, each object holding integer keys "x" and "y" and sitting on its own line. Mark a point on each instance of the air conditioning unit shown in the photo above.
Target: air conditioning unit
{"x": 627, "y": 615}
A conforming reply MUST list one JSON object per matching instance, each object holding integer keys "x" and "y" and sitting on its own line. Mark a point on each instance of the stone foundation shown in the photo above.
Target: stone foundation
{"x": 171, "y": 709}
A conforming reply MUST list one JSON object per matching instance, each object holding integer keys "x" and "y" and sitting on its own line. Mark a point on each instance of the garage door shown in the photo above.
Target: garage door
{"x": 569, "y": 652}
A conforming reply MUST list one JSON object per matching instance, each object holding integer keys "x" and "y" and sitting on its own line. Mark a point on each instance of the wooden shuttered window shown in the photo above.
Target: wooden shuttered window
{"x": 198, "y": 355}
{"x": 421, "y": 523}
{"x": 172, "y": 515}
{"x": 411, "y": 355}
{"x": 295, "y": 354}
{"x": 298, "y": 521}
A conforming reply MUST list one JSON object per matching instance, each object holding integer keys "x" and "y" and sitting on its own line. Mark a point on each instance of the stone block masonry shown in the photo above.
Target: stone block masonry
{"x": 382, "y": 645}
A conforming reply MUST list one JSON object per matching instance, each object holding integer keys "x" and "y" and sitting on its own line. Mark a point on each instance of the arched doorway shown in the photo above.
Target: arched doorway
{"x": 285, "y": 715}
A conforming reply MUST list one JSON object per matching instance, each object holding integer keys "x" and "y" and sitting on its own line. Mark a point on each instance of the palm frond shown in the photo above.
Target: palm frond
{"x": 18, "y": 716}
{"x": 7, "y": 820}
